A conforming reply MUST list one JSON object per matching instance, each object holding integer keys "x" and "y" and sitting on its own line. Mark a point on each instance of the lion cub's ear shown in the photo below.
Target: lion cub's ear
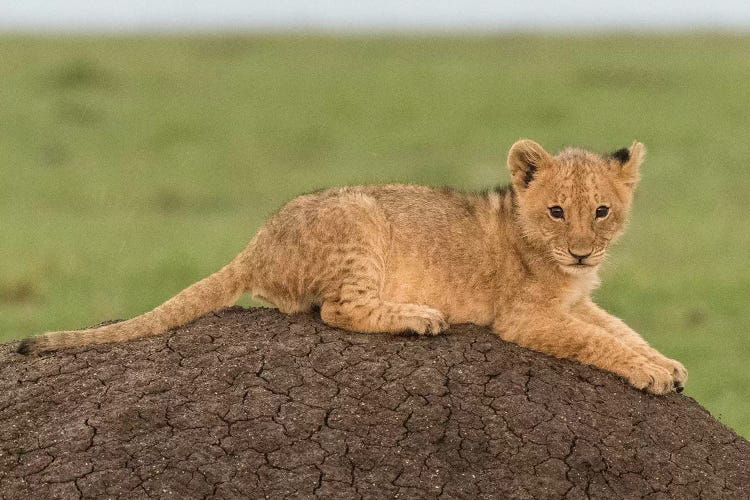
{"x": 525, "y": 158}
{"x": 630, "y": 160}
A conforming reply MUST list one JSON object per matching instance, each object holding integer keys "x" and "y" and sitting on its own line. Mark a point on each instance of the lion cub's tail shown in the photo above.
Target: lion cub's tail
{"x": 214, "y": 292}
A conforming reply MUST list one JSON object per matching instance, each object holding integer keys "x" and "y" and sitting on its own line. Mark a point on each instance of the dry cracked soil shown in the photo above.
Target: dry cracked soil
{"x": 255, "y": 404}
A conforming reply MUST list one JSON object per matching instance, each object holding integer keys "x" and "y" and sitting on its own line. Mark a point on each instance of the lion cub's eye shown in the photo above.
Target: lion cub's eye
{"x": 602, "y": 212}
{"x": 556, "y": 212}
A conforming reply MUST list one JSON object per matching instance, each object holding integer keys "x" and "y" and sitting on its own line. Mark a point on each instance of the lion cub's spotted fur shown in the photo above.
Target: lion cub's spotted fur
{"x": 412, "y": 258}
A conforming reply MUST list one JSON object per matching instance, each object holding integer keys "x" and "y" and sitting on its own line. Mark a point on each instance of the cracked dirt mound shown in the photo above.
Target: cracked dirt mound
{"x": 252, "y": 404}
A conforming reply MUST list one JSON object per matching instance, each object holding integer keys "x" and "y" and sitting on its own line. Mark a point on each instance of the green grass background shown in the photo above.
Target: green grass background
{"x": 132, "y": 167}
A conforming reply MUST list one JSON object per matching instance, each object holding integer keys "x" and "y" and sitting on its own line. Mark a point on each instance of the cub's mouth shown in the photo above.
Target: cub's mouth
{"x": 577, "y": 266}
{"x": 573, "y": 263}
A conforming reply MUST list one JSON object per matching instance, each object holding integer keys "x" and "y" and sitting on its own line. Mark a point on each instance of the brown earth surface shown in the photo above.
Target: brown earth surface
{"x": 254, "y": 404}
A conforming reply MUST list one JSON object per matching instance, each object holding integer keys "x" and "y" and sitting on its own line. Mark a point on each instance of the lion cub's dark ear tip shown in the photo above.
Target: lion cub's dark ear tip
{"x": 622, "y": 155}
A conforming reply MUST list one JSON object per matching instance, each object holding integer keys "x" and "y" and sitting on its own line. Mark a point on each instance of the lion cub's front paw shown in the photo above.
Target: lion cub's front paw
{"x": 679, "y": 373}
{"x": 426, "y": 321}
{"x": 652, "y": 378}
{"x": 677, "y": 369}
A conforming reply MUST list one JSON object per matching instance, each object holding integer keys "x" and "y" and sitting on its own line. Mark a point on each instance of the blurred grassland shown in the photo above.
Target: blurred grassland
{"x": 132, "y": 167}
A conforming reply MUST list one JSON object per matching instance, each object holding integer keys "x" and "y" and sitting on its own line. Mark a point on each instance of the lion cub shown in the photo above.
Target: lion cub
{"x": 395, "y": 258}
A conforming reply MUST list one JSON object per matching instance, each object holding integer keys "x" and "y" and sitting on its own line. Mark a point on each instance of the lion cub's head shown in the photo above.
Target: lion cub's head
{"x": 575, "y": 204}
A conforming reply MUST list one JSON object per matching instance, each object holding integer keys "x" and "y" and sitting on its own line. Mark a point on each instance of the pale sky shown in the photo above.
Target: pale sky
{"x": 371, "y": 15}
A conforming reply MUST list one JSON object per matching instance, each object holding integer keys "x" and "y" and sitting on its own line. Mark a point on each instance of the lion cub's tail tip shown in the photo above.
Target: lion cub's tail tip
{"x": 26, "y": 347}
{"x": 33, "y": 346}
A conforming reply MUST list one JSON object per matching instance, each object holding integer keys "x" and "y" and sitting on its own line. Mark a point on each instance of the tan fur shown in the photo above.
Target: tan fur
{"x": 411, "y": 258}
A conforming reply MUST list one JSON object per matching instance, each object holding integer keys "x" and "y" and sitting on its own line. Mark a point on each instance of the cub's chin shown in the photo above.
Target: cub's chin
{"x": 577, "y": 269}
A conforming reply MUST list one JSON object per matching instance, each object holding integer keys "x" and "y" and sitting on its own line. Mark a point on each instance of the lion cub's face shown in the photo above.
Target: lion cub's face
{"x": 575, "y": 204}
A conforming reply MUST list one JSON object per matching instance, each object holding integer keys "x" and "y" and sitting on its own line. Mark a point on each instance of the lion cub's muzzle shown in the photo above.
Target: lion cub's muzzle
{"x": 579, "y": 258}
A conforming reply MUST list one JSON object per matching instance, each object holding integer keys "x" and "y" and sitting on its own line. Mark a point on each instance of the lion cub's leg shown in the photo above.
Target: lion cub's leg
{"x": 564, "y": 335}
{"x": 356, "y": 305}
{"x": 340, "y": 261}
{"x": 592, "y": 313}
{"x": 359, "y": 308}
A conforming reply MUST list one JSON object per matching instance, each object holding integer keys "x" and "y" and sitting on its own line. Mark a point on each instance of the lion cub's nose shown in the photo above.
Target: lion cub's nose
{"x": 578, "y": 255}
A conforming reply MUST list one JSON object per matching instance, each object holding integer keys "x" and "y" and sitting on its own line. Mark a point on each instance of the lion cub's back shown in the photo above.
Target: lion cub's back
{"x": 314, "y": 226}
{"x": 304, "y": 249}
{"x": 412, "y": 206}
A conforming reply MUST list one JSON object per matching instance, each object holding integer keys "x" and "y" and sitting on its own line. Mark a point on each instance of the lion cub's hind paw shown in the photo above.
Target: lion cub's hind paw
{"x": 426, "y": 321}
